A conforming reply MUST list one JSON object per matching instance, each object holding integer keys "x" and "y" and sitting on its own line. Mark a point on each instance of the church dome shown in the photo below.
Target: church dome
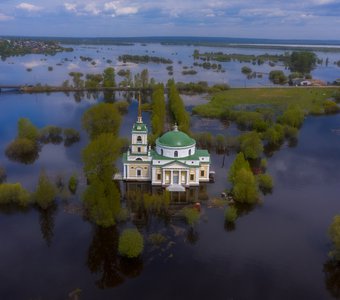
{"x": 175, "y": 138}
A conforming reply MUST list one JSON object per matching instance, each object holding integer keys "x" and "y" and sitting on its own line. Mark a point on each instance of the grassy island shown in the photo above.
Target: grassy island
{"x": 309, "y": 99}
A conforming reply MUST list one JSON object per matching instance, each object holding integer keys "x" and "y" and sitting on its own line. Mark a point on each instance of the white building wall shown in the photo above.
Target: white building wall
{"x": 170, "y": 152}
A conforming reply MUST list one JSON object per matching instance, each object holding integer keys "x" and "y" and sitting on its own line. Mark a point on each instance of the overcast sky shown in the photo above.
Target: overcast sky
{"x": 289, "y": 19}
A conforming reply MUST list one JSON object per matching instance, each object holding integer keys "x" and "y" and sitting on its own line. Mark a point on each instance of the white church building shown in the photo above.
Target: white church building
{"x": 175, "y": 163}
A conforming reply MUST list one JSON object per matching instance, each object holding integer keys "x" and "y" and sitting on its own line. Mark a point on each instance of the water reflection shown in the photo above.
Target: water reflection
{"x": 332, "y": 277}
{"x": 46, "y": 221}
{"x": 103, "y": 259}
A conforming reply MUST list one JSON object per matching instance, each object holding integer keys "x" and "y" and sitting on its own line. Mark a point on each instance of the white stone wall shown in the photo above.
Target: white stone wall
{"x": 170, "y": 151}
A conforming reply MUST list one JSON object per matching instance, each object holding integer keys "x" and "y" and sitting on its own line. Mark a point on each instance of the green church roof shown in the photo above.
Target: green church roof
{"x": 175, "y": 138}
{"x": 139, "y": 127}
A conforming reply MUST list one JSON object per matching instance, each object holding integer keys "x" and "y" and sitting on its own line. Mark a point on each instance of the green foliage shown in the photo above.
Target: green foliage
{"x": 334, "y": 233}
{"x": 251, "y": 144}
{"x": 302, "y": 61}
{"x": 204, "y": 139}
{"x": 101, "y": 118}
{"x": 50, "y": 133}
{"x": 93, "y": 81}
{"x": 109, "y": 77}
{"x": 265, "y": 182}
{"x": 278, "y": 98}
{"x": 191, "y": 215}
{"x": 27, "y": 130}
{"x": 73, "y": 183}
{"x": 274, "y": 135}
{"x": 177, "y": 108}
{"x": 330, "y": 107}
{"x": 277, "y": 77}
{"x": 239, "y": 163}
{"x": 131, "y": 243}
{"x": 144, "y": 59}
{"x": 155, "y": 203}
{"x": 158, "y": 111}
{"x": 100, "y": 155}
{"x": 246, "y": 70}
{"x": 22, "y": 150}
{"x": 291, "y": 132}
{"x": 249, "y": 119}
{"x": 245, "y": 187}
{"x": 14, "y": 193}
{"x": 293, "y": 116}
{"x": 230, "y": 214}
{"x": 77, "y": 81}
{"x": 102, "y": 201}
{"x": 144, "y": 77}
{"x": 71, "y": 136}
{"x": 263, "y": 164}
{"x": 45, "y": 192}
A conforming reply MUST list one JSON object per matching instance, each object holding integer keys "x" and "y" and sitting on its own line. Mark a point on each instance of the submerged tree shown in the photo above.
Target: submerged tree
{"x": 131, "y": 243}
{"x": 101, "y": 118}
{"x": 45, "y": 192}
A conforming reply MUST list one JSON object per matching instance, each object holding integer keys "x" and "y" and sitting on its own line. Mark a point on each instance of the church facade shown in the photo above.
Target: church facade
{"x": 175, "y": 162}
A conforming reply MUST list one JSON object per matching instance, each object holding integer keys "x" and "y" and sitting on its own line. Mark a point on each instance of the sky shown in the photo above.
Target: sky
{"x": 284, "y": 19}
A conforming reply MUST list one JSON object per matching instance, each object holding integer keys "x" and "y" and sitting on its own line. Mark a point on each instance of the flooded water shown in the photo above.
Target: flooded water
{"x": 14, "y": 69}
{"x": 277, "y": 250}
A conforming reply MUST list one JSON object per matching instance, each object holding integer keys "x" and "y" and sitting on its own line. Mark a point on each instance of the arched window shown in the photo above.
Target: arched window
{"x": 138, "y": 158}
{"x": 189, "y": 152}
{"x": 139, "y": 139}
{"x": 162, "y": 152}
{"x": 176, "y": 153}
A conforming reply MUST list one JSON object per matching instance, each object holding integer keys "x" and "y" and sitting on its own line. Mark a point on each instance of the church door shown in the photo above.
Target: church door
{"x": 176, "y": 177}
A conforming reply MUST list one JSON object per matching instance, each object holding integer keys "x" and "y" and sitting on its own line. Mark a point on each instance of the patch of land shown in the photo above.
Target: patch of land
{"x": 309, "y": 99}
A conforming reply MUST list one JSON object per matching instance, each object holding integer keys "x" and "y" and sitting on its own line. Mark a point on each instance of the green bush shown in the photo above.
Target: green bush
{"x": 27, "y": 130}
{"x": 277, "y": 77}
{"x": 73, "y": 183}
{"x": 230, "y": 214}
{"x": 334, "y": 233}
{"x": 130, "y": 243}
{"x": 191, "y": 215}
{"x": 265, "y": 181}
{"x": 13, "y": 193}
{"x": 245, "y": 187}
{"x": 45, "y": 192}
{"x": 22, "y": 150}
{"x": 330, "y": 107}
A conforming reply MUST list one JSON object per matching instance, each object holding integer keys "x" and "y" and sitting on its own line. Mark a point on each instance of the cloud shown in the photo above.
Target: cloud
{"x": 4, "y": 17}
{"x": 33, "y": 64}
{"x": 28, "y": 7}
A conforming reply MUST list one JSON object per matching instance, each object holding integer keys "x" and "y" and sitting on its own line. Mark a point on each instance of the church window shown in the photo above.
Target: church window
{"x": 162, "y": 152}
{"x": 192, "y": 177}
{"x": 158, "y": 176}
{"x": 139, "y": 139}
{"x": 176, "y": 154}
{"x": 139, "y": 172}
{"x": 202, "y": 173}
{"x": 138, "y": 158}
{"x": 189, "y": 152}
{"x": 139, "y": 149}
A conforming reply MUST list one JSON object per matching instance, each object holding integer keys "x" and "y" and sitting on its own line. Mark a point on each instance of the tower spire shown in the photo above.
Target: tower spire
{"x": 139, "y": 119}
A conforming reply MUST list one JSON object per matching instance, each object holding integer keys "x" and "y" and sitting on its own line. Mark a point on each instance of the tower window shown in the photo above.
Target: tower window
{"x": 192, "y": 177}
{"x": 139, "y": 139}
{"x": 139, "y": 172}
{"x": 176, "y": 153}
{"x": 139, "y": 149}
{"x": 202, "y": 173}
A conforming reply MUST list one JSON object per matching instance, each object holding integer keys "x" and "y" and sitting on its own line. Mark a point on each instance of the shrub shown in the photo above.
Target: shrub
{"x": 334, "y": 233}
{"x": 45, "y": 192}
{"x": 265, "y": 182}
{"x": 13, "y": 193}
{"x": 330, "y": 107}
{"x": 246, "y": 70}
{"x": 230, "y": 214}
{"x": 277, "y": 77}
{"x": 245, "y": 188}
{"x": 130, "y": 243}
{"x": 73, "y": 183}
{"x": 191, "y": 215}
{"x": 22, "y": 150}
{"x": 27, "y": 130}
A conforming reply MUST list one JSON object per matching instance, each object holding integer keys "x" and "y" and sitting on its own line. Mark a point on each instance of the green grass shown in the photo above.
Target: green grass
{"x": 309, "y": 99}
